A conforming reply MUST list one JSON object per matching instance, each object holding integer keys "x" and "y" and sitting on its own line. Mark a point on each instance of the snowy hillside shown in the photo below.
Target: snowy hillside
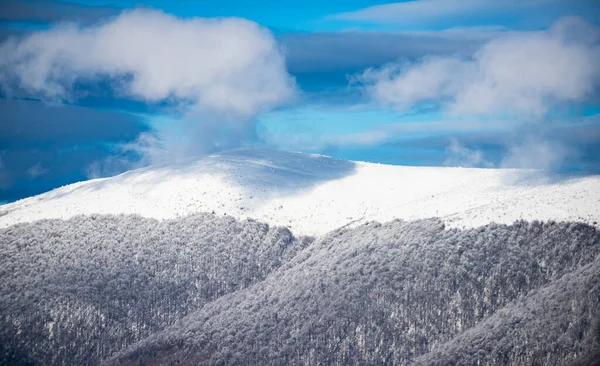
{"x": 314, "y": 194}
{"x": 211, "y": 290}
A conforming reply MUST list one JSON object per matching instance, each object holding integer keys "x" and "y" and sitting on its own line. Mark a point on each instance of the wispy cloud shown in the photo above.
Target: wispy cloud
{"x": 424, "y": 13}
{"x": 36, "y": 171}
{"x": 462, "y": 156}
{"x": 144, "y": 150}
{"x": 326, "y": 51}
{"x": 537, "y": 153}
{"x": 308, "y": 139}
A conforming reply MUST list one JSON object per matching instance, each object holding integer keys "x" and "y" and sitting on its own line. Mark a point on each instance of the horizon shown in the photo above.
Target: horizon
{"x": 89, "y": 89}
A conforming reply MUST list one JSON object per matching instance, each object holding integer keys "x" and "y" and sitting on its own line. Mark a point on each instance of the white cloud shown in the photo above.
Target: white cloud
{"x": 401, "y": 85}
{"x": 521, "y": 75}
{"x": 230, "y": 65}
{"x": 219, "y": 72}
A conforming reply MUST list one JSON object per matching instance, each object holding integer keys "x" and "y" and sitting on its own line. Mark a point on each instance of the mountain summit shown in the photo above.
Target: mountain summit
{"x": 313, "y": 194}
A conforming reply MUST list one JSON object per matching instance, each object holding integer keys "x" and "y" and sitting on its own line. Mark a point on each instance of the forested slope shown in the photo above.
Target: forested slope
{"x": 390, "y": 294}
{"x": 73, "y": 292}
{"x": 554, "y": 325}
{"x": 208, "y": 289}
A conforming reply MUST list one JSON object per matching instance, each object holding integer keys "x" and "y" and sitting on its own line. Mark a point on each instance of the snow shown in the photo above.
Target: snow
{"x": 314, "y": 194}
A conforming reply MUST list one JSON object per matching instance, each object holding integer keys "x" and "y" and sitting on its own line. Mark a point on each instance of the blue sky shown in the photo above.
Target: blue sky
{"x": 426, "y": 82}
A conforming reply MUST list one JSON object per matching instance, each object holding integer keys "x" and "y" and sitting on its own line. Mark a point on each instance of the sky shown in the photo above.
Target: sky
{"x": 91, "y": 89}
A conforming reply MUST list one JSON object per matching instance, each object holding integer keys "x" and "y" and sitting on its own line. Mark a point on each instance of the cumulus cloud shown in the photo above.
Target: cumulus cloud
{"x": 522, "y": 75}
{"x": 229, "y": 65}
{"x": 216, "y": 73}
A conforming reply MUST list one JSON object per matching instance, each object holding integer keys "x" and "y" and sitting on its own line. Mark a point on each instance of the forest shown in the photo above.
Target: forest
{"x": 207, "y": 289}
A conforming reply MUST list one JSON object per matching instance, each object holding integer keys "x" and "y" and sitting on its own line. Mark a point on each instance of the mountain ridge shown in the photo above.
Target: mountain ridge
{"x": 286, "y": 189}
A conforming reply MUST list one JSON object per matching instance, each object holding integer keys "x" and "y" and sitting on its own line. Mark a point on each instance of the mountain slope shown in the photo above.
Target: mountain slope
{"x": 74, "y": 292}
{"x": 316, "y": 194}
{"x": 553, "y": 325}
{"x": 389, "y": 294}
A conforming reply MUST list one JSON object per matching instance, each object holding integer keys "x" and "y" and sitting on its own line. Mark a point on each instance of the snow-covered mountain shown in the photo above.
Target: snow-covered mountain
{"x": 190, "y": 263}
{"x": 314, "y": 194}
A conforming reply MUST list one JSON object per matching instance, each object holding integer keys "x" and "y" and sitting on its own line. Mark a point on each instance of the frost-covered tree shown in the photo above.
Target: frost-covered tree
{"x": 75, "y": 291}
{"x": 211, "y": 290}
{"x": 402, "y": 293}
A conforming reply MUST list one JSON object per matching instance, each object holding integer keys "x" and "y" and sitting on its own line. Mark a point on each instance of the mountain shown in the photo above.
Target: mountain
{"x": 314, "y": 194}
{"x": 160, "y": 266}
